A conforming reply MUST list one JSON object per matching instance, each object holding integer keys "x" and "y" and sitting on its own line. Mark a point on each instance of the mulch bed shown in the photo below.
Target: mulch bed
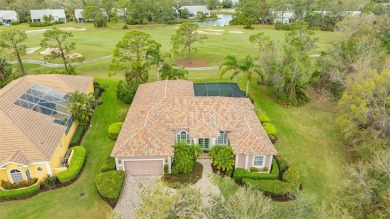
{"x": 194, "y": 63}
{"x": 177, "y": 180}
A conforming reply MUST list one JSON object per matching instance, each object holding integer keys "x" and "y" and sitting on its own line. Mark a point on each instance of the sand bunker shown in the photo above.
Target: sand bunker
{"x": 234, "y": 31}
{"x": 208, "y": 33}
{"x": 32, "y": 50}
{"x": 73, "y": 29}
{"x": 49, "y": 50}
{"x": 36, "y": 31}
{"x": 214, "y": 30}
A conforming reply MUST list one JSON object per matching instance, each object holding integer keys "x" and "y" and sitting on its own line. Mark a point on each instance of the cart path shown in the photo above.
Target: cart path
{"x": 53, "y": 65}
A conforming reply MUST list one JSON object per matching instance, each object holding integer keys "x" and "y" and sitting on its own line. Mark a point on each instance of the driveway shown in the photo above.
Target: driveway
{"x": 129, "y": 197}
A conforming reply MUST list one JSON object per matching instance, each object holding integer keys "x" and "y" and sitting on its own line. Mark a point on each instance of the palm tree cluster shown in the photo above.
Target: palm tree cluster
{"x": 81, "y": 106}
{"x": 245, "y": 65}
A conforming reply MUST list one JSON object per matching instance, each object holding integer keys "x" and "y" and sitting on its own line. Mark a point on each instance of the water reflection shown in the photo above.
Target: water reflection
{"x": 223, "y": 20}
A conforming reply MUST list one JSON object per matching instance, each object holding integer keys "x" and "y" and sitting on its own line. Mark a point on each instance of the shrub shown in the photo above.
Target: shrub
{"x": 15, "y": 22}
{"x": 166, "y": 169}
{"x": 270, "y": 129}
{"x": 109, "y": 184}
{"x": 40, "y": 24}
{"x": 77, "y": 135}
{"x": 185, "y": 157}
{"x": 126, "y": 92}
{"x": 176, "y": 180}
{"x": 19, "y": 193}
{"x": 254, "y": 169}
{"x": 265, "y": 169}
{"x": 264, "y": 119}
{"x": 49, "y": 181}
{"x": 58, "y": 22}
{"x": 25, "y": 183}
{"x": 290, "y": 184}
{"x": 96, "y": 92}
{"x": 75, "y": 166}
{"x": 109, "y": 165}
{"x": 283, "y": 164}
{"x": 229, "y": 172}
{"x": 288, "y": 27}
{"x": 125, "y": 27}
{"x": 114, "y": 129}
{"x": 222, "y": 157}
{"x": 240, "y": 173}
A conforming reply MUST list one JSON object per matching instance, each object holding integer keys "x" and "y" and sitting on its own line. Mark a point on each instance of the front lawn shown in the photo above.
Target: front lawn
{"x": 66, "y": 202}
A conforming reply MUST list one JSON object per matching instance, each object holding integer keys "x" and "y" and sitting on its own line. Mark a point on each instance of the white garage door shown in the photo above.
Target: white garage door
{"x": 144, "y": 167}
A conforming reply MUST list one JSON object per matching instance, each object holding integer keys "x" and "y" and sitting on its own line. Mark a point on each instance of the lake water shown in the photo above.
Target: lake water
{"x": 223, "y": 19}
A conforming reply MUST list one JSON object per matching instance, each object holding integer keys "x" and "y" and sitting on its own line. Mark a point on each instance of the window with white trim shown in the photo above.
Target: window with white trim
{"x": 259, "y": 161}
{"x": 222, "y": 140}
{"x": 16, "y": 176}
{"x": 39, "y": 169}
{"x": 28, "y": 174}
{"x": 183, "y": 136}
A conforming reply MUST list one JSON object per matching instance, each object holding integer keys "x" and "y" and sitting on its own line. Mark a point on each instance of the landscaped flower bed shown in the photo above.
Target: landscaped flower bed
{"x": 19, "y": 193}
{"x": 179, "y": 179}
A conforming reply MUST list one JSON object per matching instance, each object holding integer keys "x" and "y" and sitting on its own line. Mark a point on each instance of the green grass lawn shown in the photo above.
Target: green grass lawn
{"x": 66, "y": 202}
{"x": 308, "y": 137}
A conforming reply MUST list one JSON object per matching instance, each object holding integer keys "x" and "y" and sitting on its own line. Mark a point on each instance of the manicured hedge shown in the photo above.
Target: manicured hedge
{"x": 77, "y": 135}
{"x": 291, "y": 183}
{"x": 15, "y": 22}
{"x": 270, "y": 129}
{"x": 19, "y": 193}
{"x": 263, "y": 118}
{"x": 283, "y": 164}
{"x": 109, "y": 165}
{"x": 114, "y": 129}
{"x": 40, "y": 24}
{"x": 75, "y": 166}
{"x": 240, "y": 173}
{"x": 177, "y": 180}
{"x": 109, "y": 184}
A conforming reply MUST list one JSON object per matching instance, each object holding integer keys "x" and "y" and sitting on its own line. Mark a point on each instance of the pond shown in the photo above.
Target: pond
{"x": 223, "y": 20}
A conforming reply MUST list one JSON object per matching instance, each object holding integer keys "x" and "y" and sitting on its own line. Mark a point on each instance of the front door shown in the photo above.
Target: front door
{"x": 204, "y": 144}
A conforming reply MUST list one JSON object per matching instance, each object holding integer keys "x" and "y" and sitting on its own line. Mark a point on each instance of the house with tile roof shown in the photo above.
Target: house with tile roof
{"x": 36, "y": 126}
{"x": 165, "y": 112}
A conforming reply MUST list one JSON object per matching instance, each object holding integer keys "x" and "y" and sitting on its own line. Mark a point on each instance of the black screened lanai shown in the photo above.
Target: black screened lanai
{"x": 223, "y": 89}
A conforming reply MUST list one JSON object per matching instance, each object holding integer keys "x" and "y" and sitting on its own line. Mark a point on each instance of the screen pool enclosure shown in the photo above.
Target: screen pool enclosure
{"x": 49, "y": 102}
{"x": 218, "y": 89}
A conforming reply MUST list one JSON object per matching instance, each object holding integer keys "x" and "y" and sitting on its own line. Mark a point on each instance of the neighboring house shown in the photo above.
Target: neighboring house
{"x": 35, "y": 125}
{"x": 195, "y": 9}
{"x": 57, "y": 14}
{"x": 78, "y": 13}
{"x": 282, "y": 16}
{"x": 165, "y": 112}
{"x": 6, "y": 17}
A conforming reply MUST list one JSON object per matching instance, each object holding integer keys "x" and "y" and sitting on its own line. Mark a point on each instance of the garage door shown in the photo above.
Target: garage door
{"x": 144, "y": 167}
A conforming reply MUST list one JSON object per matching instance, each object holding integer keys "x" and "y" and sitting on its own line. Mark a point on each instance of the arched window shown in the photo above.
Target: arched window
{"x": 28, "y": 174}
{"x": 16, "y": 176}
{"x": 183, "y": 136}
{"x": 222, "y": 140}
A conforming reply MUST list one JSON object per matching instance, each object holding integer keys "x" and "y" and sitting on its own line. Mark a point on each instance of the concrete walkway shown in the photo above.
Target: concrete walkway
{"x": 205, "y": 184}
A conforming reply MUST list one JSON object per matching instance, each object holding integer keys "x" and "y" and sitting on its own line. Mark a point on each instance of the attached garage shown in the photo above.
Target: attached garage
{"x": 143, "y": 167}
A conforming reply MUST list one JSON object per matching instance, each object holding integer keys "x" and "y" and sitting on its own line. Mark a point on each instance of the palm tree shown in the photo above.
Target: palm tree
{"x": 173, "y": 72}
{"x": 230, "y": 63}
{"x": 155, "y": 57}
{"x": 81, "y": 106}
{"x": 5, "y": 69}
{"x": 248, "y": 66}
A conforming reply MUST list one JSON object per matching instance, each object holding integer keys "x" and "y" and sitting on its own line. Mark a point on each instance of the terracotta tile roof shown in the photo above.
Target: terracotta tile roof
{"x": 28, "y": 136}
{"x": 161, "y": 109}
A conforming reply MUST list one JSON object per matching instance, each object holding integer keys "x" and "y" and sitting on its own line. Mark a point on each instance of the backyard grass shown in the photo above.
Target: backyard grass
{"x": 308, "y": 136}
{"x": 66, "y": 202}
